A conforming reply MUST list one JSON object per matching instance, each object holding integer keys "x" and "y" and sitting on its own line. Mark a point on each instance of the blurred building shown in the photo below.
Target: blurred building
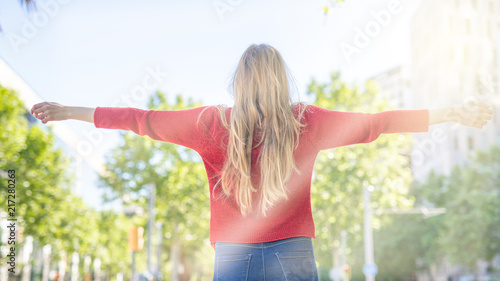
{"x": 454, "y": 59}
{"x": 394, "y": 86}
{"x": 498, "y": 60}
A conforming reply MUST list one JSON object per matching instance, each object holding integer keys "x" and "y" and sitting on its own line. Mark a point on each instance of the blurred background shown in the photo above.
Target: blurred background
{"x": 96, "y": 204}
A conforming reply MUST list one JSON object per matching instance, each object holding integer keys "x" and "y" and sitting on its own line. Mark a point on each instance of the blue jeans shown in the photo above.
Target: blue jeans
{"x": 286, "y": 259}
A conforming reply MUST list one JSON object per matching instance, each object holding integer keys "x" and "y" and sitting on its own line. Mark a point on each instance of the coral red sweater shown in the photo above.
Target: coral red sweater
{"x": 325, "y": 129}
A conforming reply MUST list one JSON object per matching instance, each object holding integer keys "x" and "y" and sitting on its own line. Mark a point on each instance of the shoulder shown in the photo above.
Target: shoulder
{"x": 210, "y": 114}
{"x": 306, "y": 111}
{"x": 317, "y": 112}
{"x": 302, "y": 106}
{"x": 313, "y": 108}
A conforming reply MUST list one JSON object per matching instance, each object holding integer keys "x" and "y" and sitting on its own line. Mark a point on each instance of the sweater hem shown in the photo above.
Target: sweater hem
{"x": 263, "y": 240}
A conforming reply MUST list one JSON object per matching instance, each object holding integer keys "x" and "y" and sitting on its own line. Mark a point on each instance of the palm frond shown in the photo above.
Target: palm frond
{"x": 30, "y": 4}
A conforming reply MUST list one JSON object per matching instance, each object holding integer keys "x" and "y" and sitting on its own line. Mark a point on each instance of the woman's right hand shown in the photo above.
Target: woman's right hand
{"x": 472, "y": 114}
{"x": 49, "y": 111}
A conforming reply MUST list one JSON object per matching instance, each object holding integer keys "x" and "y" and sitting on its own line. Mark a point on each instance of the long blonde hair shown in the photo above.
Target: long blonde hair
{"x": 261, "y": 91}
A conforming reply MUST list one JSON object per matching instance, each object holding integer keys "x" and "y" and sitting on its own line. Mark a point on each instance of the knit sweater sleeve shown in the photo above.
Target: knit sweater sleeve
{"x": 175, "y": 126}
{"x": 330, "y": 129}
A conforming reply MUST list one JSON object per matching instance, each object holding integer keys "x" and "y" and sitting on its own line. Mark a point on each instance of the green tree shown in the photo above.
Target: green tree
{"x": 112, "y": 243}
{"x": 182, "y": 197}
{"x": 45, "y": 205}
{"x": 42, "y": 180}
{"x": 340, "y": 173}
{"x": 468, "y": 231}
{"x": 471, "y": 194}
{"x": 407, "y": 245}
{"x": 472, "y": 223}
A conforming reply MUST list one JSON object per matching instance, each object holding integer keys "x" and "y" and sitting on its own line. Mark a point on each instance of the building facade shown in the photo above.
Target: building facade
{"x": 454, "y": 59}
{"x": 394, "y": 86}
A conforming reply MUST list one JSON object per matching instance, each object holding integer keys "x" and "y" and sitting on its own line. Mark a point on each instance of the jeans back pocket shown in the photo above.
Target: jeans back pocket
{"x": 297, "y": 265}
{"x": 233, "y": 267}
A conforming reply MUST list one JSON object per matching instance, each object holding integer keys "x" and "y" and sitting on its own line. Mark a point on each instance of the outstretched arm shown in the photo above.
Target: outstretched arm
{"x": 53, "y": 111}
{"x": 330, "y": 129}
{"x": 182, "y": 127}
{"x": 472, "y": 114}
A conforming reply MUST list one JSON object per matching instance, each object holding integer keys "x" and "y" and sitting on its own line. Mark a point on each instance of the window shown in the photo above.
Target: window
{"x": 468, "y": 27}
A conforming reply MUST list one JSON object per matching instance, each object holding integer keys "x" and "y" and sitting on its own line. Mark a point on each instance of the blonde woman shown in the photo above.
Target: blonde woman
{"x": 259, "y": 157}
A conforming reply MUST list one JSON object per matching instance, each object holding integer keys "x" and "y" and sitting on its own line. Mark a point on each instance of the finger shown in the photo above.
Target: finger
{"x": 40, "y": 109}
{"x": 34, "y": 108}
{"x": 487, "y": 110}
{"x": 481, "y": 104}
{"x": 38, "y": 105}
{"x": 485, "y": 116}
{"x": 481, "y": 123}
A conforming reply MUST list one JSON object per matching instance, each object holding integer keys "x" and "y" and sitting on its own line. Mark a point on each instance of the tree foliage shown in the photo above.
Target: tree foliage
{"x": 404, "y": 244}
{"x": 341, "y": 173}
{"x": 470, "y": 229}
{"x": 45, "y": 206}
{"x": 182, "y": 196}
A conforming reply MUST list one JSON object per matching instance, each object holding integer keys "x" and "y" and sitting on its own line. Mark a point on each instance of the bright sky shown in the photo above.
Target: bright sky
{"x": 96, "y": 53}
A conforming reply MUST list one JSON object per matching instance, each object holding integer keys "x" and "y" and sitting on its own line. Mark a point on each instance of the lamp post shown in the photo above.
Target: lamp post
{"x": 132, "y": 210}
{"x": 370, "y": 268}
{"x": 158, "y": 249}
{"x": 151, "y": 214}
{"x": 135, "y": 240}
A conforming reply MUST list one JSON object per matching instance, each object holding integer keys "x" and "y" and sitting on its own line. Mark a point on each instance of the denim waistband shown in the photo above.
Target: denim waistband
{"x": 263, "y": 244}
